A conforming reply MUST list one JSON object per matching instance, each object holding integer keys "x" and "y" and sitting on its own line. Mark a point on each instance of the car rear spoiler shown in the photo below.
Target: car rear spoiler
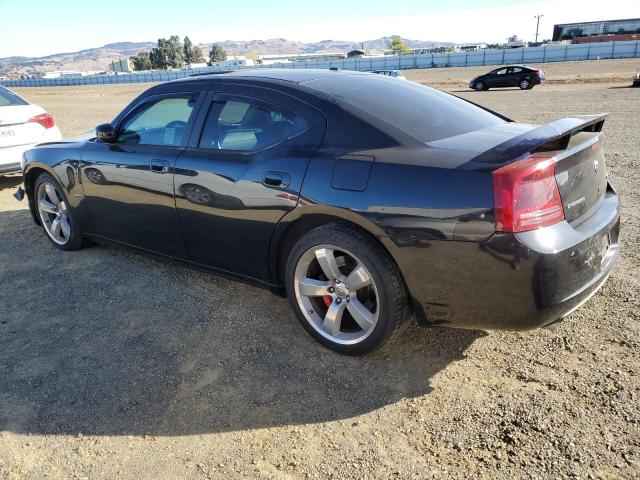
{"x": 552, "y": 136}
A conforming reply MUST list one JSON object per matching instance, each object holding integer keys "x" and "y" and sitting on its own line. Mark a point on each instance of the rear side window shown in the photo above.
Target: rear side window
{"x": 243, "y": 124}
{"x": 163, "y": 122}
{"x": 516, "y": 70}
{"x": 423, "y": 113}
{"x": 8, "y": 98}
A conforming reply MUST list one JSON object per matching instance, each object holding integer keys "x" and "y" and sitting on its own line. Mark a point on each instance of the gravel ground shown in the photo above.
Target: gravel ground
{"x": 114, "y": 364}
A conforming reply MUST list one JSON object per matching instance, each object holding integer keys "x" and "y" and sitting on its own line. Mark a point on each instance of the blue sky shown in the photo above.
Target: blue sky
{"x": 40, "y": 27}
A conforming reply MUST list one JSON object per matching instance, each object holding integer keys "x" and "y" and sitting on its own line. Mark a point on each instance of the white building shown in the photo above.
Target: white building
{"x": 233, "y": 64}
{"x": 124, "y": 65}
{"x": 191, "y": 66}
{"x": 64, "y": 74}
{"x": 472, "y": 47}
{"x": 299, "y": 57}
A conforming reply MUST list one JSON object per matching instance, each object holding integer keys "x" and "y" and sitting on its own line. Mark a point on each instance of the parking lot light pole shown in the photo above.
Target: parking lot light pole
{"x": 537, "y": 25}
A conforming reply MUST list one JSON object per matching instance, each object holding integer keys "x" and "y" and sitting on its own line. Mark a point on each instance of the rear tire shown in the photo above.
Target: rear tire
{"x": 55, "y": 216}
{"x": 525, "y": 84}
{"x": 345, "y": 289}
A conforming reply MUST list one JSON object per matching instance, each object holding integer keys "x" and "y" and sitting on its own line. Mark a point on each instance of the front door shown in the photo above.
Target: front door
{"x": 128, "y": 183}
{"x": 499, "y": 78}
{"x": 241, "y": 174}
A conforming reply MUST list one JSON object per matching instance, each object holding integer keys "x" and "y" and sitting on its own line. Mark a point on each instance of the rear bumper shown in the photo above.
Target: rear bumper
{"x": 6, "y": 168}
{"x": 11, "y": 158}
{"x": 513, "y": 281}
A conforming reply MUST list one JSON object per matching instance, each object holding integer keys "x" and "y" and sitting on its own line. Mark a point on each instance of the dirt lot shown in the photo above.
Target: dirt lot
{"x": 117, "y": 365}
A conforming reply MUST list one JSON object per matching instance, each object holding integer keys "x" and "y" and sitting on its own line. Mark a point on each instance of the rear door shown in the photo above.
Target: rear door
{"x": 242, "y": 173}
{"x": 128, "y": 183}
{"x": 514, "y": 75}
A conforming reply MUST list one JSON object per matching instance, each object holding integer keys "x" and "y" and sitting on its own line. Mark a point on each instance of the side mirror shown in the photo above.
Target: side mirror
{"x": 105, "y": 132}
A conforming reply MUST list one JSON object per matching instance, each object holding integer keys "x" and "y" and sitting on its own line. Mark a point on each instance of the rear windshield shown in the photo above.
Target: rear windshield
{"x": 424, "y": 113}
{"x": 8, "y": 98}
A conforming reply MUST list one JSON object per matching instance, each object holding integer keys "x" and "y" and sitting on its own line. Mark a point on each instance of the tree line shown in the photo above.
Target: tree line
{"x": 173, "y": 53}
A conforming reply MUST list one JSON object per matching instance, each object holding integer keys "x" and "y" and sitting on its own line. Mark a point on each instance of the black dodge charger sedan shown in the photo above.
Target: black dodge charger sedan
{"x": 364, "y": 199}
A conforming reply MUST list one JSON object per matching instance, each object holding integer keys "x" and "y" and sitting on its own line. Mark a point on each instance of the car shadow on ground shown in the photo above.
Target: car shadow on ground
{"x": 106, "y": 341}
{"x": 10, "y": 181}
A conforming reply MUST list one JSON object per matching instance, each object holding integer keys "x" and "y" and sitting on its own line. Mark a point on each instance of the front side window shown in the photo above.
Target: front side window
{"x": 502, "y": 71}
{"x": 163, "y": 123}
{"x": 248, "y": 125}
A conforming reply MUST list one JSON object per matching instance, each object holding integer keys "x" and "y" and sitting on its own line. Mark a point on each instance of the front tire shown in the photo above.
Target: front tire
{"x": 345, "y": 289}
{"x": 479, "y": 86}
{"x": 55, "y": 216}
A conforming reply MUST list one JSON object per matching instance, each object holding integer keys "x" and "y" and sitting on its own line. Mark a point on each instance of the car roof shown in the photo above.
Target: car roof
{"x": 514, "y": 65}
{"x": 278, "y": 74}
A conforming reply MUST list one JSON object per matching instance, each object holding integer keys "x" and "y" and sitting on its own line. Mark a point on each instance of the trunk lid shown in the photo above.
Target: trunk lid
{"x": 15, "y": 128}
{"x": 576, "y": 148}
{"x": 581, "y": 176}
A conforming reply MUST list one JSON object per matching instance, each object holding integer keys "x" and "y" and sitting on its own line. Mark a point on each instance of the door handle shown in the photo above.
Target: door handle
{"x": 276, "y": 179}
{"x": 159, "y": 166}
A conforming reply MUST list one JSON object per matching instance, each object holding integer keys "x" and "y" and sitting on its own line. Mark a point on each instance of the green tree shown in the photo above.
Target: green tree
{"x": 142, "y": 61}
{"x": 168, "y": 53}
{"x": 192, "y": 54}
{"x": 198, "y": 57}
{"x": 176, "y": 57}
{"x": 188, "y": 50}
{"x": 398, "y": 47}
{"x": 217, "y": 54}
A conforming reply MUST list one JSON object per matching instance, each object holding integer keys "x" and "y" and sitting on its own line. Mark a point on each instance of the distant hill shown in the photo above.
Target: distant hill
{"x": 281, "y": 45}
{"x": 98, "y": 59}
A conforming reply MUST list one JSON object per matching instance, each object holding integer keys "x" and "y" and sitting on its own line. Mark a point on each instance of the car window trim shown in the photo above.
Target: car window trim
{"x": 156, "y": 98}
{"x": 213, "y": 97}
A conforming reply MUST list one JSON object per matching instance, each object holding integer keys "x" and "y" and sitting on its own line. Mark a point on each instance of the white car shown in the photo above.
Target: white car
{"x": 391, "y": 73}
{"x": 22, "y": 126}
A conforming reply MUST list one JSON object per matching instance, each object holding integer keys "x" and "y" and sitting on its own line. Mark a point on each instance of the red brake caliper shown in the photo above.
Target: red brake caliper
{"x": 326, "y": 299}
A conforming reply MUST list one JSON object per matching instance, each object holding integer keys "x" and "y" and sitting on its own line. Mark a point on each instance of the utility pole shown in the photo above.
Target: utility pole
{"x": 537, "y": 25}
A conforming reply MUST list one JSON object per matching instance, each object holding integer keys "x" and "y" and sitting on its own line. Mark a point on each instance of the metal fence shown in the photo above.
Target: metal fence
{"x": 544, "y": 54}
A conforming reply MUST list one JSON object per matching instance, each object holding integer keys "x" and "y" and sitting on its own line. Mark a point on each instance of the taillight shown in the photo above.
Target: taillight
{"x": 526, "y": 195}
{"x": 44, "y": 119}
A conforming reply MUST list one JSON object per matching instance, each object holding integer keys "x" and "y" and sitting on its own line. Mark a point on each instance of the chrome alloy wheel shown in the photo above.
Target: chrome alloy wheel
{"x": 336, "y": 294}
{"x": 53, "y": 213}
{"x": 524, "y": 84}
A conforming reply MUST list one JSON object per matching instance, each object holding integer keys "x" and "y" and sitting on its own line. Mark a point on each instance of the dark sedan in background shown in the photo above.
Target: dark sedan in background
{"x": 522, "y": 76}
{"x": 363, "y": 198}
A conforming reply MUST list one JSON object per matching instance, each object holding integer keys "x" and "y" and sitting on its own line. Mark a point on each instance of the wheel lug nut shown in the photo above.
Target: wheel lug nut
{"x": 338, "y": 300}
{"x": 331, "y": 289}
